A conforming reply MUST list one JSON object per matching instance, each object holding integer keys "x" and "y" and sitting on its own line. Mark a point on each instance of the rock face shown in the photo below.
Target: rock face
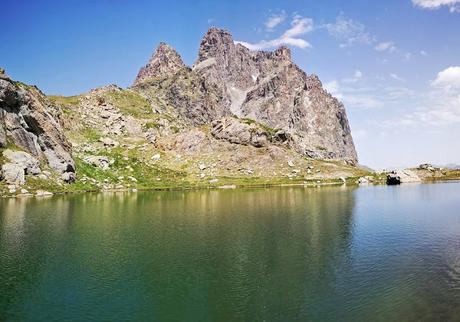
{"x": 165, "y": 61}
{"x": 27, "y": 120}
{"x": 235, "y": 131}
{"x": 228, "y": 79}
{"x": 269, "y": 88}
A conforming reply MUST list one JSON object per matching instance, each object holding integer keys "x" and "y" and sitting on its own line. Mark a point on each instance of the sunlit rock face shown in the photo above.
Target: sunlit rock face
{"x": 28, "y": 121}
{"x": 228, "y": 79}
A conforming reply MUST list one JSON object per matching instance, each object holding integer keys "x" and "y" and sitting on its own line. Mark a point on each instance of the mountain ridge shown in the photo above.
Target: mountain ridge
{"x": 235, "y": 116}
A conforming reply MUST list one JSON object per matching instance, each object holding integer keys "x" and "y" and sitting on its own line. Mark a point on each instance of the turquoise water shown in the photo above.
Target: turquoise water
{"x": 279, "y": 254}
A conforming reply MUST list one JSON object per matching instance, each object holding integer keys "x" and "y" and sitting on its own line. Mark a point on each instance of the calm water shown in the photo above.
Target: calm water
{"x": 279, "y": 254}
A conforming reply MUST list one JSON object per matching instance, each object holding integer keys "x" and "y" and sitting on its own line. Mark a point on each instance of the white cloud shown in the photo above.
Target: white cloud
{"x": 423, "y": 53}
{"x": 386, "y": 46}
{"x": 274, "y": 20}
{"x": 299, "y": 27}
{"x": 348, "y": 31}
{"x": 352, "y": 93}
{"x": 448, "y": 78}
{"x": 437, "y": 106}
{"x": 436, "y": 4}
{"x": 398, "y": 78}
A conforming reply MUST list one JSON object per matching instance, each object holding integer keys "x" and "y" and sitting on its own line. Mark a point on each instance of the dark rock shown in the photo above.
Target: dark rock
{"x": 393, "y": 179}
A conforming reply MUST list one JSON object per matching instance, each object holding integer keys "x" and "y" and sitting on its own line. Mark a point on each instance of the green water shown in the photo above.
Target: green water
{"x": 279, "y": 254}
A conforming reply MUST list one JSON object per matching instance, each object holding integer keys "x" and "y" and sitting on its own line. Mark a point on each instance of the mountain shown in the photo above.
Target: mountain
{"x": 263, "y": 86}
{"x": 236, "y": 117}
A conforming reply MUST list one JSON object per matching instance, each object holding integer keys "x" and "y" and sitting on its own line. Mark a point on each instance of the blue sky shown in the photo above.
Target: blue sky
{"x": 395, "y": 64}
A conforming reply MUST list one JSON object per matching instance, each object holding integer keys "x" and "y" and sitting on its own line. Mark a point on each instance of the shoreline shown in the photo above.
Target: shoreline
{"x": 317, "y": 184}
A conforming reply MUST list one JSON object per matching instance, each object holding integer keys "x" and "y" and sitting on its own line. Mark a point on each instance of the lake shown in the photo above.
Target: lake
{"x": 375, "y": 253}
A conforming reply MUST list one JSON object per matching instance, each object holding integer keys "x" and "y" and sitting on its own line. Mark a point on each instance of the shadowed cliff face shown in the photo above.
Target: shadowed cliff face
{"x": 230, "y": 80}
{"x": 27, "y": 121}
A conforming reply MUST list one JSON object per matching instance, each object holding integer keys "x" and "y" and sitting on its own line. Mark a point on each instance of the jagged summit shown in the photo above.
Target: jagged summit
{"x": 228, "y": 79}
{"x": 164, "y": 62}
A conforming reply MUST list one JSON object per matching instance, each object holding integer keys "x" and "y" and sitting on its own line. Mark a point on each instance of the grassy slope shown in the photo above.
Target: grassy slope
{"x": 133, "y": 168}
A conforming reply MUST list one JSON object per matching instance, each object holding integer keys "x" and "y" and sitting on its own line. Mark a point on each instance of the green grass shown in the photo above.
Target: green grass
{"x": 151, "y": 125}
{"x": 129, "y": 102}
{"x": 269, "y": 130}
{"x": 91, "y": 135}
{"x": 64, "y": 100}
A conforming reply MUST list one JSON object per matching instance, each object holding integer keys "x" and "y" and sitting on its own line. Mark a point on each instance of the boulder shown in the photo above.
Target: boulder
{"x": 242, "y": 132}
{"x": 99, "y": 161}
{"x": 68, "y": 177}
{"x": 363, "y": 180}
{"x": 402, "y": 176}
{"x": 13, "y": 174}
{"x": 26, "y": 161}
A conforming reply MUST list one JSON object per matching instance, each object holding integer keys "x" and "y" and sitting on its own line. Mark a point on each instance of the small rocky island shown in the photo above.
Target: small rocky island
{"x": 235, "y": 118}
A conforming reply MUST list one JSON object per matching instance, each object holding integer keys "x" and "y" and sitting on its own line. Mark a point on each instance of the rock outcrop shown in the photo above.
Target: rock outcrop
{"x": 27, "y": 121}
{"x": 402, "y": 176}
{"x": 238, "y": 132}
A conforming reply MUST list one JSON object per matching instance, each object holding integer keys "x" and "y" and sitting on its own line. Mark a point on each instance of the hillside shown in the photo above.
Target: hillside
{"x": 235, "y": 118}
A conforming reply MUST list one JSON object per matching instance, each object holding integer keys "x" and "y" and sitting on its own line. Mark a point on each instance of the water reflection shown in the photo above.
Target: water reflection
{"x": 279, "y": 254}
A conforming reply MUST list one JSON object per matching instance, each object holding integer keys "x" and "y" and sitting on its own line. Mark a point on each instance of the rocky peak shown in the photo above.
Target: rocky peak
{"x": 164, "y": 62}
{"x": 283, "y": 52}
{"x": 216, "y": 43}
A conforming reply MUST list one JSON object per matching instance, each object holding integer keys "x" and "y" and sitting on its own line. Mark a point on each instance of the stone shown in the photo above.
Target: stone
{"x": 202, "y": 166}
{"x": 13, "y": 174}
{"x": 156, "y": 157}
{"x": 23, "y": 159}
{"x": 363, "y": 180}
{"x": 68, "y": 177}
{"x": 109, "y": 142}
{"x": 43, "y": 193}
{"x": 102, "y": 162}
